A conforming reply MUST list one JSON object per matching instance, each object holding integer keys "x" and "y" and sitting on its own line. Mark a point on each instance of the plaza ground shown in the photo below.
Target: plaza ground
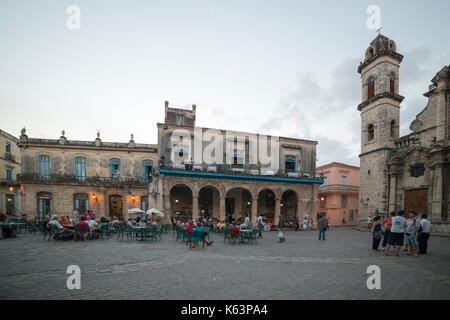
{"x": 300, "y": 268}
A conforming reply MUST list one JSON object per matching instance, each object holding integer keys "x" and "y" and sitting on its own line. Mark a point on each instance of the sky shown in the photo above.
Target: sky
{"x": 281, "y": 67}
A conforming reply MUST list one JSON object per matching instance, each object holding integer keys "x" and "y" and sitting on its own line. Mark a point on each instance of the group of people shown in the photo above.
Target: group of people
{"x": 396, "y": 230}
{"x": 198, "y": 226}
{"x": 69, "y": 224}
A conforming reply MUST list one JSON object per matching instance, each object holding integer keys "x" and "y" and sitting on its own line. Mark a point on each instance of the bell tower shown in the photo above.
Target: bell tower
{"x": 380, "y": 117}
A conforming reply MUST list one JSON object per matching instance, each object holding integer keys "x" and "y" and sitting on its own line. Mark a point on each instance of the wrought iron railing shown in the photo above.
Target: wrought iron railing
{"x": 239, "y": 169}
{"x": 58, "y": 178}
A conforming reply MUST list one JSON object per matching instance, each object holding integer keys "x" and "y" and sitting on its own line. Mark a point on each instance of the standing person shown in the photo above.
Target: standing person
{"x": 322, "y": 223}
{"x": 305, "y": 225}
{"x": 260, "y": 223}
{"x": 246, "y": 223}
{"x": 387, "y": 224}
{"x": 412, "y": 227}
{"x": 377, "y": 234}
{"x": 397, "y": 233}
{"x": 310, "y": 225}
{"x": 424, "y": 233}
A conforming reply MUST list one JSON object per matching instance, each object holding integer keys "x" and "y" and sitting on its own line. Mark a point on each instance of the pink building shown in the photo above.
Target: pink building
{"x": 338, "y": 195}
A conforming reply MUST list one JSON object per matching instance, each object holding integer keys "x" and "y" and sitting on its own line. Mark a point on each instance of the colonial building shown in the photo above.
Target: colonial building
{"x": 338, "y": 194}
{"x": 410, "y": 172}
{"x": 232, "y": 184}
{"x": 10, "y": 160}
{"x": 186, "y": 175}
{"x": 60, "y": 175}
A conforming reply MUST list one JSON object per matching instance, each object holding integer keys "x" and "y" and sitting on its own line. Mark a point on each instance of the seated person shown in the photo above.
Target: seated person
{"x": 54, "y": 221}
{"x": 130, "y": 222}
{"x": 236, "y": 231}
{"x": 65, "y": 222}
{"x": 93, "y": 225}
{"x": 103, "y": 221}
{"x": 82, "y": 222}
{"x": 140, "y": 223}
{"x": 115, "y": 220}
{"x": 89, "y": 213}
{"x": 195, "y": 240}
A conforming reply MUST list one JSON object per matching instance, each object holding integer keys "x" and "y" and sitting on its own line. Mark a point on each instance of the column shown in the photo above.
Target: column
{"x": 222, "y": 209}
{"x": 300, "y": 213}
{"x": 194, "y": 207}
{"x": 436, "y": 210}
{"x": 392, "y": 191}
{"x": 254, "y": 210}
{"x": 277, "y": 213}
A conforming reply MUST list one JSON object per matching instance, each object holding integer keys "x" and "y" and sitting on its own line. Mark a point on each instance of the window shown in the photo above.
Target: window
{"x": 80, "y": 168}
{"x": 147, "y": 170}
{"x": 180, "y": 120}
{"x": 8, "y": 147}
{"x": 344, "y": 180}
{"x": 392, "y": 83}
{"x": 351, "y": 215}
{"x": 114, "y": 168}
{"x": 325, "y": 180}
{"x": 180, "y": 153}
{"x": 393, "y": 128}
{"x": 81, "y": 202}
{"x": 343, "y": 201}
{"x": 238, "y": 158}
{"x": 9, "y": 176}
{"x": 371, "y": 88}
{"x": 370, "y": 132}
{"x": 44, "y": 167}
{"x": 290, "y": 163}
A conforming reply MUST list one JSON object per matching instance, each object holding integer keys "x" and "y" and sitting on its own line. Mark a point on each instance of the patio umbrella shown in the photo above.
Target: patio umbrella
{"x": 136, "y": 210}
{"x": 155, "y": 212}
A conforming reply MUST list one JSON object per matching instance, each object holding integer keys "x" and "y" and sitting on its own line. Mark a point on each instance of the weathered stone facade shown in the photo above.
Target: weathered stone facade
{"x": 410, "y": 172}
{"x": 59, "y": 175}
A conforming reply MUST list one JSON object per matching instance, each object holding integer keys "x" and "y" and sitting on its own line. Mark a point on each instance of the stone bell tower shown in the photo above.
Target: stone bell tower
{"x": 380, "y": 115}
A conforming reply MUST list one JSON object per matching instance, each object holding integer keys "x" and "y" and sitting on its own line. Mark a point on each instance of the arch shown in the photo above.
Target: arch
{"x": 181, "y": 201}
{"x": 209, "y": 201}
{"x": 266, "y": 203}
{"x": 288, "y": 210}
{"x": 370, "y": 87}
{"x": 238, "y": 202}
{"x": 393, "y": 128}
{"x": 392, "y": 82}
{"x": 370, "y": 132}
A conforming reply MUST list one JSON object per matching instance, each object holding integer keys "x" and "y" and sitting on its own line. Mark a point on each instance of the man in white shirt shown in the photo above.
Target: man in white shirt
{"x": 93, "y": 225}
{"x": 397, "y": 233}
{"x": 55, "y": 222}
{"x": 260, "y": 223}
{"x": 424, "y": 234}
{"x": 246, "y": 223}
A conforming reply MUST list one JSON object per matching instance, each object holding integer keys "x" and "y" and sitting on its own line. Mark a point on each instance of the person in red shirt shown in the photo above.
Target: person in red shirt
{"x": 190, "y": 227}
{"x": 234, "y": 234}
{"x": 91, "y": 214}
{"x": 387, "y": 224}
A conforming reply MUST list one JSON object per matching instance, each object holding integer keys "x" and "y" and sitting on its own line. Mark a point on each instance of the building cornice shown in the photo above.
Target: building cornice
{"x": 390, "y": 95}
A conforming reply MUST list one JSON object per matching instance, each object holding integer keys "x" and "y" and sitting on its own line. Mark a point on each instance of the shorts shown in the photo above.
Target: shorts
{"x": 411, "y": 238}
{"x": 396, "y": 239}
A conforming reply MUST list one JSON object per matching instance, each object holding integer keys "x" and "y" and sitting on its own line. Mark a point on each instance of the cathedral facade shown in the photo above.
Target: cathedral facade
{"x": 411, "y": 172}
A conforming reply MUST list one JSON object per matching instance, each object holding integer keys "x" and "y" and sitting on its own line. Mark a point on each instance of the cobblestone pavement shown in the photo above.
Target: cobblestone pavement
{"x": 300, "y": 268}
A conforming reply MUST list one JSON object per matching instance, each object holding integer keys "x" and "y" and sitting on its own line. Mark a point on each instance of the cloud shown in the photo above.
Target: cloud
{"x": 326, "y": 113}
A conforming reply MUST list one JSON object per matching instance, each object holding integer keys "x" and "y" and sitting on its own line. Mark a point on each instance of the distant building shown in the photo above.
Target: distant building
{"x": 338, "y": 195}
{"x": 10, "y": 160}
{"x": 410, "y": 172}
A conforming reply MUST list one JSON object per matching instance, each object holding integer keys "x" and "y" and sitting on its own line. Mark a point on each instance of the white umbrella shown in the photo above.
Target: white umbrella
{"x": 136, "y": 210}
{"x": 155, "y": 212}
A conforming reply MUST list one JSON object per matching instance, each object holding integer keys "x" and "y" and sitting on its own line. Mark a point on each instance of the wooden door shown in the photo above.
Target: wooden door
{"x": 416, "y": 200}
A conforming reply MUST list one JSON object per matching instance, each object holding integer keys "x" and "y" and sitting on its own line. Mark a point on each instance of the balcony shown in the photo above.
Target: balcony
{"x": 338, "y": 187}
{"x": 9, "y": 156}
{"x": 72, "y": 179}
{"x": 241, "y": 172}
